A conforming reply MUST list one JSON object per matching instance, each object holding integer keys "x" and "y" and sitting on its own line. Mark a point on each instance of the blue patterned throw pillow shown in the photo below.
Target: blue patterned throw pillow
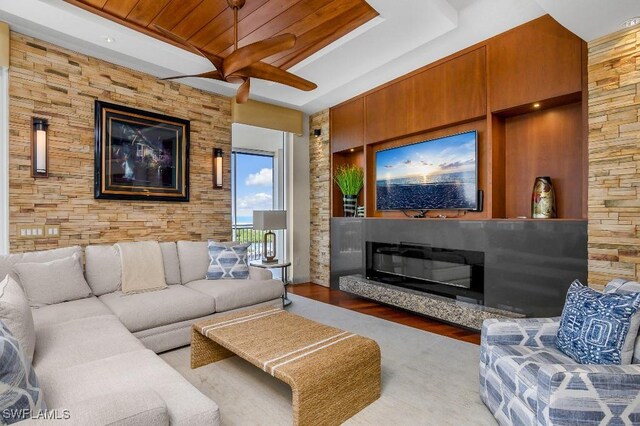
{"x": 598, "y": 328}
{"x": 228, "y": 261}
{"x": 20, "y": 394}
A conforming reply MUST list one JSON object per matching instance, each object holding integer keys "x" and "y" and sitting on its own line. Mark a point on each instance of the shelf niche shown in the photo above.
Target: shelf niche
{"x": 353, "y": 156}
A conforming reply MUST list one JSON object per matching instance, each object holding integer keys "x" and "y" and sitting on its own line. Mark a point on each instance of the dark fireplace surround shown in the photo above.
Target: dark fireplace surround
{"x": 452, "y": 273}
{"x": 521, "y": 266}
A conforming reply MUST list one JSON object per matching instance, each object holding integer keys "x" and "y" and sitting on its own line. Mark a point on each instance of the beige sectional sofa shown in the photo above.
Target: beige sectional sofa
{"x": 96, "y": 356}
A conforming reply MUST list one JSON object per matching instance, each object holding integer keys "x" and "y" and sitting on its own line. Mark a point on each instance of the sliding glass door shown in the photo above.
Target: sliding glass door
{"x": 254, "y": 187}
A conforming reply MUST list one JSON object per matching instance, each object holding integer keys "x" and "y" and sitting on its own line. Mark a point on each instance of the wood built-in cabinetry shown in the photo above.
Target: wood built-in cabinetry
{"x": 523, "y": 91}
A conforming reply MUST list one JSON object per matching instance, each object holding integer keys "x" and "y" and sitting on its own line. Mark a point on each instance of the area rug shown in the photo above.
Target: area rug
{"x": 427, "y": 379}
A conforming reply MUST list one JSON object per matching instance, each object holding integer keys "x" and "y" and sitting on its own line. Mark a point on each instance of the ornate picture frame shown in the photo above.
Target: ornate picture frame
{"x": 140, "y": 155}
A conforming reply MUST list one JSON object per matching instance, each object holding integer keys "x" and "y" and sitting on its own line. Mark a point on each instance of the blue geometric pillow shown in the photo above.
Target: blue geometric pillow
{"x": 598, "y": 328}
{"x": 20, "y": 394}
{"x": 228, "y": 261}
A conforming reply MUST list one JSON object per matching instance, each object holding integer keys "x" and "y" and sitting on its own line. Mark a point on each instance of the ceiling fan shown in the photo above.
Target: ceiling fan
{"x": 245, "y": 62}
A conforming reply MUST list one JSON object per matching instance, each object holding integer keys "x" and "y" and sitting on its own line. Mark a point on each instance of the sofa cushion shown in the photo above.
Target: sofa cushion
{"x": 148, "y": 310}
{"x": 122, "y": 408}
{"x": 53, "y": 282}
{"x": 20, "y": 393}
{"x": 232, "y": 294}
{"x": 67, "y": 311}
{"x": 171, "y": 263}
{"x": 599, "y": 328}
{"x": 102, "y": 269}
{"x": 16, "y": 315}
{"x": 194, "y": 260}
{"x": 7, "y": 262}
{"x": 517, "y": 367}
{"x": 227, "y": 261}
{"x": 80, "y": 341}
{"x": 134, "y": 372}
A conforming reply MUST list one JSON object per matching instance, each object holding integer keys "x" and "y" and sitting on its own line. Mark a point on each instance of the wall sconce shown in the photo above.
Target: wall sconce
{"x": 217, "y": 168}
{"x": 317, "y": 132}
{"x": 39, "y": 148}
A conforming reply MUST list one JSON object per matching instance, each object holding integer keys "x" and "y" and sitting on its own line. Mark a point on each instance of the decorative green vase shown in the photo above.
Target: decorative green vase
{"x": 543, "y": 199}
{"x": 349, "y": 203}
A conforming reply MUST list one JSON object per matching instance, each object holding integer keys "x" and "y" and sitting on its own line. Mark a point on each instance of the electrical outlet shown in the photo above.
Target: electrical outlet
{"x": 52, "y": 231}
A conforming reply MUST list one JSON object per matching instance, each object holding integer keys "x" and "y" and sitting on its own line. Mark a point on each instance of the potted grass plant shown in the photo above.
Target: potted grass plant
{"x": 350, "y": 180}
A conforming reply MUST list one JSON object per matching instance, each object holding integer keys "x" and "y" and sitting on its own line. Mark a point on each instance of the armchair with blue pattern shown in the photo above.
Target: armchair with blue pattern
{"x": 526, "y": 380}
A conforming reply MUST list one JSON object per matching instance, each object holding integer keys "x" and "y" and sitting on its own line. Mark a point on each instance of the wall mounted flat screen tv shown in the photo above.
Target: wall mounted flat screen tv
{"x": 437, "y": 174}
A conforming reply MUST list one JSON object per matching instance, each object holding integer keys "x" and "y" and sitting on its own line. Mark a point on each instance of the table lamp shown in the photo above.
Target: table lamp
{"x": 269, "y": 220}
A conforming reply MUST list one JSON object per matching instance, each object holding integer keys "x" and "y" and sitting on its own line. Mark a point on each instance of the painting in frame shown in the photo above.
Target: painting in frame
{"x": 140, "y": 155}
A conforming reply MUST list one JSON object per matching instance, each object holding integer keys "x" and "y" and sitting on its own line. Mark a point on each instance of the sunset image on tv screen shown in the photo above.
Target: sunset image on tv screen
{"x": 439, "y": 174}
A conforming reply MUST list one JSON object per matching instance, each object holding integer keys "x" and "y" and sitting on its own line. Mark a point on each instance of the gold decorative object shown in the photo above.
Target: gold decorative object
{"x": 543, "y": 199}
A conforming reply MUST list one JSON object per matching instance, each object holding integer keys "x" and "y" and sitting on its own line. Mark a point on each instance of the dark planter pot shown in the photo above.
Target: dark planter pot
{"x": 349, "y": 203}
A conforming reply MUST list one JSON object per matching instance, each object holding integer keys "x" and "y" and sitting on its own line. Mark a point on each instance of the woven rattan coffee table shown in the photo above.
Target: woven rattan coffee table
{"x": 333, "y": 374}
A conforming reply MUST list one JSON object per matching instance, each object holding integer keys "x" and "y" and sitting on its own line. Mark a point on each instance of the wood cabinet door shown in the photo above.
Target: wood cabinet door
{"x": 452, "y": 92}
{"x": 347, "y": 125}
{"x": 387, "y": 111}
{"x": 536, "y": 61}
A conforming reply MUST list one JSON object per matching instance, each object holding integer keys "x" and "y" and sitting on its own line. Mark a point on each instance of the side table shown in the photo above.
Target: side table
{"x": 284, "y": 267}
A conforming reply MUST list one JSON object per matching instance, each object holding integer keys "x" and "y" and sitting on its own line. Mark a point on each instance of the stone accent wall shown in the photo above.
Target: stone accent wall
{"x": 320, "y": 177}
{"x": 614, "y": 157}
{"x": 61, "y": 85}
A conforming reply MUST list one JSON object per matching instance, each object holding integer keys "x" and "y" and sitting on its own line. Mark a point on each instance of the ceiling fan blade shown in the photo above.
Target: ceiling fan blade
{"x": 255, "y": 52}
{"x": 269, "y": 72}
{"x": 215, "y": 75}
{"x": 243, "y": 91}
{"x": 214, "y": 59}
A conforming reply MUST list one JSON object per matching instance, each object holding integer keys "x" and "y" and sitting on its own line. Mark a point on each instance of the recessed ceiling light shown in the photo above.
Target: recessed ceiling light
{"x": 536, "y": 105}
{"x": 631, "y": 22}
{"x": 108, "y": 39}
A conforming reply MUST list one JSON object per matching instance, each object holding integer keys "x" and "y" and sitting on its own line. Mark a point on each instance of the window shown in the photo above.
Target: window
{"x": 253, "y": 188}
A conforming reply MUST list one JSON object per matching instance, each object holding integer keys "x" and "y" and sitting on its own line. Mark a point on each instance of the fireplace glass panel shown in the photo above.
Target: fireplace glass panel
{"x": 448, "y": 272}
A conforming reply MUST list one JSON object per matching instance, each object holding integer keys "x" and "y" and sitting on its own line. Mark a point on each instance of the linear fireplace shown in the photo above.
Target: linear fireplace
{"x": 457, "y": 274}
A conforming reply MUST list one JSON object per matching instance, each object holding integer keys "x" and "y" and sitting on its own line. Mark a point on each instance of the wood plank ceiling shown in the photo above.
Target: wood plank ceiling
{"x": 209, "y": 23}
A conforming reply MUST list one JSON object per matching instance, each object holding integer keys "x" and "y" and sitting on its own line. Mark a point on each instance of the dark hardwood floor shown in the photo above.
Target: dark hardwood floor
{"x": 348, "y": 301}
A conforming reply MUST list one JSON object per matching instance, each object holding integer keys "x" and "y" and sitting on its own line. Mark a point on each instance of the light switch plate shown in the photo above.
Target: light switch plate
{"x": 52, "y": 231}
{"x": 31, "y": 232}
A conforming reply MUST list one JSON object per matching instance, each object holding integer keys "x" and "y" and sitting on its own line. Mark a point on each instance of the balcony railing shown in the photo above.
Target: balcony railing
{"x": 246, "y": 234}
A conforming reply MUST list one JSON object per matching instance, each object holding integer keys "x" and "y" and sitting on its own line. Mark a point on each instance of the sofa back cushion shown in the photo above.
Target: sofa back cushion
{"x": 8, "y": 261}
{"x": 16, "y": 315}
{"x": 102, "y": 269}
{"x": 194, "y": 260}
{"x": 171, "y": 263}
{"x": 53, "y": 282}
{"x": 622, "y": 286}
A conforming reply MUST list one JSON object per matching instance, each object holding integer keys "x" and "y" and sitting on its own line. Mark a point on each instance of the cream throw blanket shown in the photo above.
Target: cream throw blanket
{"x": 142, "y": 267}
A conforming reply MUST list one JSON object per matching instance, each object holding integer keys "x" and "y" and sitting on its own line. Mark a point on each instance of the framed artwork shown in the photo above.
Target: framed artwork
{"x": 140, "y": 155}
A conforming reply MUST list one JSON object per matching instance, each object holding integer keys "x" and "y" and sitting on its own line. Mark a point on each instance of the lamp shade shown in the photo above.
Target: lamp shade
{"x": 269, "y": 220}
